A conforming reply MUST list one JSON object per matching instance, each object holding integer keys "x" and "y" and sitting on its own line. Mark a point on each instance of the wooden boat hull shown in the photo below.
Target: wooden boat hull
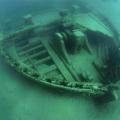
{"x": 31, "y": 53}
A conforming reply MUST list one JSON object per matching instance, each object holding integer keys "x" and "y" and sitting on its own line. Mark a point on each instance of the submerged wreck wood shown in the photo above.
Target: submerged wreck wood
{"x": 43, "y": 58}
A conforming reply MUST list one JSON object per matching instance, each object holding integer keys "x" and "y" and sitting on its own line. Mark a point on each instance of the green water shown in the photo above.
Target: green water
{"x": 21, "y": 99}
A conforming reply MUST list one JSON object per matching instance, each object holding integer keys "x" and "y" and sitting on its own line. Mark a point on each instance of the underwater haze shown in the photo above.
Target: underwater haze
{"x": 21, "y": 99}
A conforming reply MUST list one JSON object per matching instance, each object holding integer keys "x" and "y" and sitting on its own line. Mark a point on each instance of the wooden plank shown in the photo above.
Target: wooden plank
{"x": 20, "y": 48}
{"x": 38, "y": 53}
{"x": 30, "y": 50}
{"x": 32, "y": 56}
{"x": 50, "y": 69}
{"x": 27, "y": 46}
{"x": 60, "y": 65}
{"x": 43, "y": 60}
